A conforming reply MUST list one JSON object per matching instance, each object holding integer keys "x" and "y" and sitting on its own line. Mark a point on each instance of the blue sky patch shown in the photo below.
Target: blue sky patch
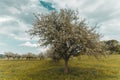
{"x": 47, "y": 5}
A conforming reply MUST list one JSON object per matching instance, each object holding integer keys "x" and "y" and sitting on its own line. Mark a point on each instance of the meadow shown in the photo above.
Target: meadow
{"x": 81, "y": 68}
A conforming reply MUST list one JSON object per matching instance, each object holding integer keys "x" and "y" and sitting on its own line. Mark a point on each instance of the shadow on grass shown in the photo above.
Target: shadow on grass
{"x": 76, "y": 73}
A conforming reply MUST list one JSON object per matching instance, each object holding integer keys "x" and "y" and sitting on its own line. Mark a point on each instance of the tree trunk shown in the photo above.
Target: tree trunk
{"x": 66, "y": 68}
{"x": 8, "y": 58}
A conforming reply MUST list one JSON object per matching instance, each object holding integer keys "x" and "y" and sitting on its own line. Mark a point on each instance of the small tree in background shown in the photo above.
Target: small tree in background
{"x": 9, "y": 55}
{"x": 12, "y": 55}
{"x": 112, "y": 46}
{"x": 40, "y": 56}
{"x": 51, "y": 54}
{"x": 29, "y": 56}
{"x": 23, "y": 56}
{"x": 67, "y": 35}
{"x": 18, "y": 56}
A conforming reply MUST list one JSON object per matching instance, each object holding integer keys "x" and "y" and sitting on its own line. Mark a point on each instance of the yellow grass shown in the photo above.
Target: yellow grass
{"x": 84, "y": 68}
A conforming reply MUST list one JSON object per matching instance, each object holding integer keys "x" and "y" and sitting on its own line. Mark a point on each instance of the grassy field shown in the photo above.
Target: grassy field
{"x": 84, "y": 68}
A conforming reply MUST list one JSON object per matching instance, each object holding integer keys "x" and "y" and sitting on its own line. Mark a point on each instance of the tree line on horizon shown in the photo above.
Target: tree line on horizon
{"x": 111, "y": 46}
{"x": 27, "y": 56}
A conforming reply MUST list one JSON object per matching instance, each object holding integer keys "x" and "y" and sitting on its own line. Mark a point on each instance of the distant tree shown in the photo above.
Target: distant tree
{"x": 9, "y": 55}
{"x": 41, "y": 56}
{"x": 13, "y": 56}
{"x": 18, "y": 56}
{"x": 112, "y": 45}
{"x": 30, "y": 56}
{"x": 117, "y": 49}
{"x": 34, "y": 56}
{"x": 24, "y": 56}
{"x": 66, "y": 34}
{"x": 105, "y": 47}
{"x": 2, "y": 56}
{"x": 51, "y": 54}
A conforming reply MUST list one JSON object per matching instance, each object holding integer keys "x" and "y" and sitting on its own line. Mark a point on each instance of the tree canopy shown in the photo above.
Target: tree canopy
{"x": 112, "y": 46}
{"x": 67, "y": 34}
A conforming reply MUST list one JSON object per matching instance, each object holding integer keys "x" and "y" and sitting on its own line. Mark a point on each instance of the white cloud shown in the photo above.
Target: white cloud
{"x": 111, "y": 29}
{"x": 14, "y": 10}
{"x": 18, "y": 18}
{"x": 2, "y": 44}
{"x": 29, "y": 44}
{"x": 6, "y": 19}
{"x": 20, "y": 37}
{"x": 16, "y": 30}
{"x": 1, "y": 52}
{"x": 42, "y": 49}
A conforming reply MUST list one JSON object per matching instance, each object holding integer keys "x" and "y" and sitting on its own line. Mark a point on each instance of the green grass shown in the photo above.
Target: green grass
{"x": 84, "y": 68}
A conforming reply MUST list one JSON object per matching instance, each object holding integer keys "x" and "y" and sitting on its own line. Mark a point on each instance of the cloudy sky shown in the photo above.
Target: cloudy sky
{"x": 16, "y": 17}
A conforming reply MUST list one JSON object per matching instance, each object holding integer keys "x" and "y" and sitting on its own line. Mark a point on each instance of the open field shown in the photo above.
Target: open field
{"x": 84, "y": 68}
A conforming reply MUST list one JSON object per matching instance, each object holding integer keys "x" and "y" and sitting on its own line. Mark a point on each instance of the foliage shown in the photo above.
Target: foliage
{"x": 113, "y": 46}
